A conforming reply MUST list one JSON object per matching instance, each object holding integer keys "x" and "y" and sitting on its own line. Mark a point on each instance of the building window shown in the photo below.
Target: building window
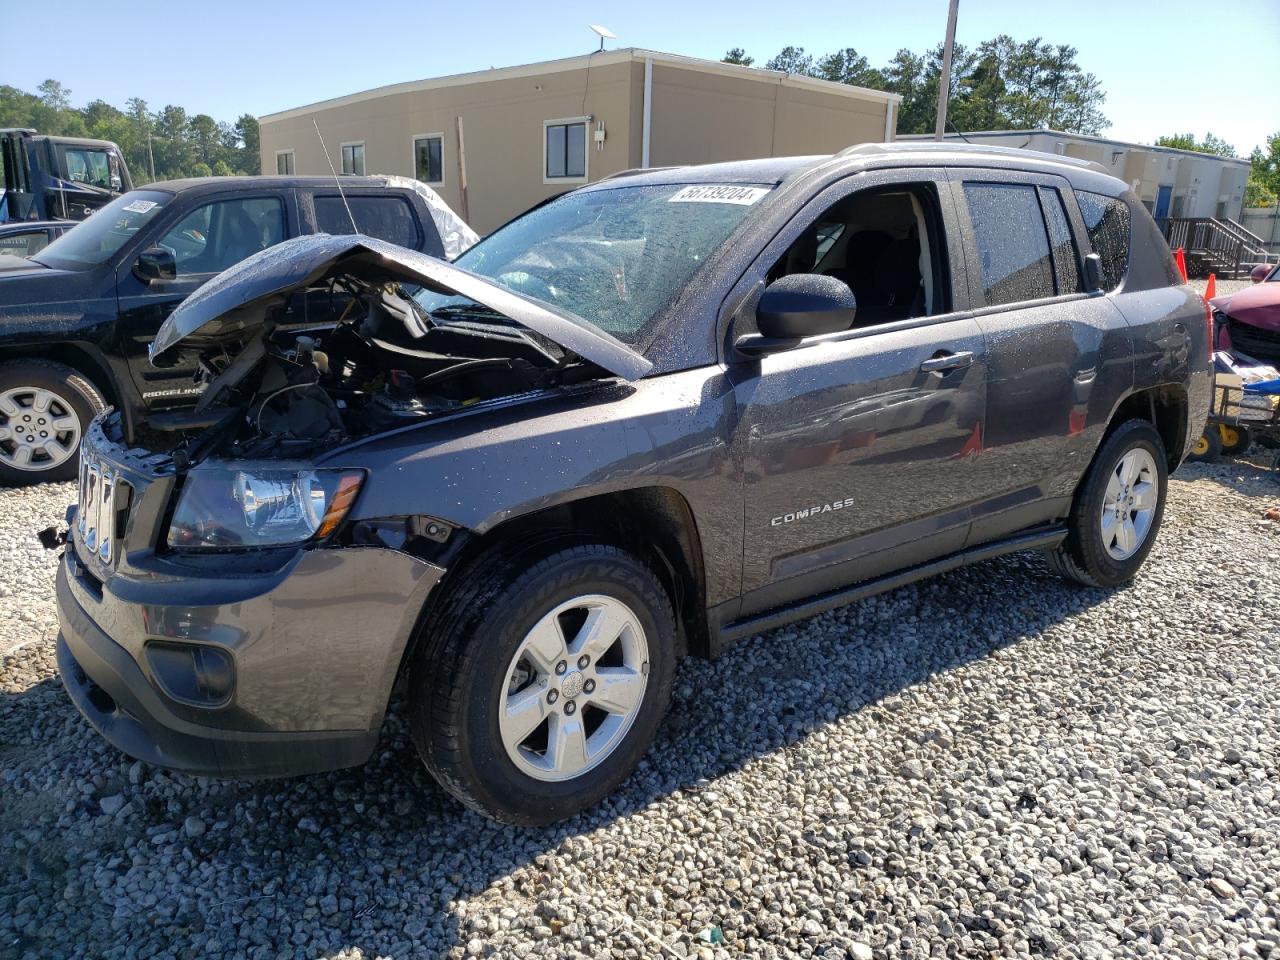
{"x": 284, "y": 162}
{"x": 428, "y": 158}
{"x": 565, "y": 149}
{"x": 353, "y": 158}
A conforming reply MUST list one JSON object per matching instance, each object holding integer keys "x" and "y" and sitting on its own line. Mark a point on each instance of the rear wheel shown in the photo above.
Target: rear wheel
{"x": 542, "y": 679}
{"x": 45, "y": 408}
{"x": 1117, "y": 510}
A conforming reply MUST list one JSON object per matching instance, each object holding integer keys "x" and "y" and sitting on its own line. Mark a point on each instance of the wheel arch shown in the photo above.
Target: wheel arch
{"x": 1167, "y": 408}
{"x": 81, "y": 357}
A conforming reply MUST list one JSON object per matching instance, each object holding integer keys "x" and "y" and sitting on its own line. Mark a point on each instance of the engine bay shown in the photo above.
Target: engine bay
{"x": 386, "y": 363}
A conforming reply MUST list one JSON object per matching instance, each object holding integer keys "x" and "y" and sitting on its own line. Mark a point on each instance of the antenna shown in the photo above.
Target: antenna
{"x": 604, "y": 33}
{"x": 336, "y": 178}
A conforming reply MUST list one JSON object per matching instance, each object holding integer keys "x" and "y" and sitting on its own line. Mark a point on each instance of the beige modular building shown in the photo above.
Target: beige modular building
{"x": 495, "y": 142}
{"x": 1172, "y": 183}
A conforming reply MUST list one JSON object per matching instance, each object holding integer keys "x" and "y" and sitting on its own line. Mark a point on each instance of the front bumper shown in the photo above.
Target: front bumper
{"x": 315, "y": 647}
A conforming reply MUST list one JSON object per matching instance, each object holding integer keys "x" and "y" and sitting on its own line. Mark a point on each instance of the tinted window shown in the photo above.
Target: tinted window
{"x": 1107, "y": 221}
{"x": 566, "y": 150}
{"x": 1012, "y": 244}
{"x": 1066, "y": 265}
{"x": 217, "y": 235}
{"x": 428, "y": 159}
{"x": 387, "y": 218}
{"x": 24, "y": 244}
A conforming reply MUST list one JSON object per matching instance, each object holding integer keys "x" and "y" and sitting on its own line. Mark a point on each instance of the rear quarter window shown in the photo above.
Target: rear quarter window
{"x": 387, "y": 218}
{"x": 1109, "y": 225}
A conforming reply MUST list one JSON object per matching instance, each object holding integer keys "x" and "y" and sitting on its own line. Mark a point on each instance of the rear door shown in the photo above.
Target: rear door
{"x": 857, "y": 447}
{"x": 205, "y": 236}
{"x": 1059, "y": 357}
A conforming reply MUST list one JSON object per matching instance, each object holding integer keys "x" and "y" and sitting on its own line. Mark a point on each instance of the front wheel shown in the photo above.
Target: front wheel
{"x": 44, "y": 410}
{"x": 541, "y": 680}
{"x": 1117, "y": 510}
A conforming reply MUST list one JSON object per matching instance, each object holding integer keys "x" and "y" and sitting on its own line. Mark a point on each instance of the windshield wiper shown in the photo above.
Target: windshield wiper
{"x": 468, "y": 311}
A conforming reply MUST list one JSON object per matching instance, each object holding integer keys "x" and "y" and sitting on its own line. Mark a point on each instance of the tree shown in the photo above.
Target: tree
{"x": 55, "y": 95}
{"x": 792, "y": 60}
{"x": 848, "y": 66}
{"x": 1263, "y": 189}
{"x": 739, "y": 56}
{"x": 250, "y": 155}
{"x": 1187, "y": 141}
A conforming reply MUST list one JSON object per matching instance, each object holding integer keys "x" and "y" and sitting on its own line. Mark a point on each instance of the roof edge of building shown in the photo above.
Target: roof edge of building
{"x": 1048, "y": 131}
{"x": 597, "y": 58}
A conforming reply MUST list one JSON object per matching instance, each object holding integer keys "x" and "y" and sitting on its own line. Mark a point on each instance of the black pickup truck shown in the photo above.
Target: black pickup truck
{"x": 76, "y": 318}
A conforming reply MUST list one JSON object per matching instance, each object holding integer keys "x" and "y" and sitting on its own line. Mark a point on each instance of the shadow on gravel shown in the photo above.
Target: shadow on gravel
{"x": 1251, "y": 475}
{"x": 263, "y": 865}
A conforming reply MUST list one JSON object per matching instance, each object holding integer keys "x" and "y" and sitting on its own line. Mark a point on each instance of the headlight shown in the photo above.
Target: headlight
{"x": 260, "y": 505}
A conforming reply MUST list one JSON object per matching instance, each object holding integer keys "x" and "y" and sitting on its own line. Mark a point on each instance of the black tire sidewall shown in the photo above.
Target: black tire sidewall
{"x": 490, "y": 776}
{"x": 1085, "y": 534}
{"x": 57, "y": 378}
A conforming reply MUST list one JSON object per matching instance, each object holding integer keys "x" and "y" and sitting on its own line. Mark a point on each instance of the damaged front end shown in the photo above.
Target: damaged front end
{"x": 413, "y": 338}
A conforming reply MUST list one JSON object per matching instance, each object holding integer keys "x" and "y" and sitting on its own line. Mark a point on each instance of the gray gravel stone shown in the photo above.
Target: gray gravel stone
{"x": 991, "y": 763}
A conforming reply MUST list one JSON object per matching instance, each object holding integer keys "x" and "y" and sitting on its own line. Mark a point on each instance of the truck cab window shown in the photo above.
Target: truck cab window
{"x": 217, "y": 235}
{"x": 885, "y": 244}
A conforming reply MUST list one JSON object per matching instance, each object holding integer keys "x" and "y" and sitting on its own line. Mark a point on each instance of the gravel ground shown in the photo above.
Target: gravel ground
{"x": 991, "y": 763}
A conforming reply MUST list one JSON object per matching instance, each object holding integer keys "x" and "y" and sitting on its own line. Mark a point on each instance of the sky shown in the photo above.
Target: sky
{"x": 235, "y": 56}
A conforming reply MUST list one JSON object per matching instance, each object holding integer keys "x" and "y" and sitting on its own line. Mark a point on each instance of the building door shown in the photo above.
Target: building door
{"x": 1162, "y": 202}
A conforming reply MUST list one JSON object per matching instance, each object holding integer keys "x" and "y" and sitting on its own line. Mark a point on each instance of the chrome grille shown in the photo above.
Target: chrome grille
{"x": 96, "y": 509}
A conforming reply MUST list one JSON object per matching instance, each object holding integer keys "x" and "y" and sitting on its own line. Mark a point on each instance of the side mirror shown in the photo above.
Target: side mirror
{"x": 156, "y": 263}
{"x": 798, "y": 306}
{"x": 1093, "y": 272}
{"x": 1259, "y": 273}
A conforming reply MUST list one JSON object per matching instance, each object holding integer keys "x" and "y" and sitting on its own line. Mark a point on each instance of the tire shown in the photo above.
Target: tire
{"x": 1235, "y": 439}
{"x": 32, "y": 392}
{"x": 1089, "y": 555}
{"x": 1207, "y": 448}
{"x": 474, "y": 655}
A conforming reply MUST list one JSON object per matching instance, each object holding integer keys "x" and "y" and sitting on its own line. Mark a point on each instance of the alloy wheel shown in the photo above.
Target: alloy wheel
{"x": 574, "y": 688}
{"x": 1129, "y": 504}
{"x": 39, "y": 429}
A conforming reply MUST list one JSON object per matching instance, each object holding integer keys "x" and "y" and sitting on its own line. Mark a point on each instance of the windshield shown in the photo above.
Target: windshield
{"x": 97, "y": 239}
{"x": 614, "y": 257}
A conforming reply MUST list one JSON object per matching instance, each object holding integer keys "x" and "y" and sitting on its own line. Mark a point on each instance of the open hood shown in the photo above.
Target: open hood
{"x": 1258, "y": 306}
{"x": 239, "y": 301}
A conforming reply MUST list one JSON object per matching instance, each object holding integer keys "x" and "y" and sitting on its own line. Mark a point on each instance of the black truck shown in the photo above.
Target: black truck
{"x": 76, "y": 317}
{"x": 657, "y": 414}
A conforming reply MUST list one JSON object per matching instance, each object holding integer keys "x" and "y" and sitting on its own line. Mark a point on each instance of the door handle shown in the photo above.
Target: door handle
{"x": 947, "y": 361}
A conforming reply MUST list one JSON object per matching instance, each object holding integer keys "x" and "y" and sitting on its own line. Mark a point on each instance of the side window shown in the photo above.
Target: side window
{"x": 387, "y": 218}
{"x": 217, "y": 235}
{"x": 1066, "y": 264}
{"x": 26, "y": 244}
{"x": 1012, "y": 244}
{"x": 886, "y": 245}
{"x": 428, "y": 158}
{"x": 89, "y": 166}
{"x": 1108, "y": 223}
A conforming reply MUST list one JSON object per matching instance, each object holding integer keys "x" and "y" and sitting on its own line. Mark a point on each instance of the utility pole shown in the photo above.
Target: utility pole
{"x": 151, "y": 157}
{"x": 944, "y": 81}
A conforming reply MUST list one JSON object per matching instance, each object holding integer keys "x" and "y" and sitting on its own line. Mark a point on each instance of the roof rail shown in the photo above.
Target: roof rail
{"x": 633, "y": 172}
{"x": 980, "y": 149}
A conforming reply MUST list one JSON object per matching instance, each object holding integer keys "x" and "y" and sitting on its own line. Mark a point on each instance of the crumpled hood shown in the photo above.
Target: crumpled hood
{"x": 1258, "y": 306}
{"x": 238, "y": 301}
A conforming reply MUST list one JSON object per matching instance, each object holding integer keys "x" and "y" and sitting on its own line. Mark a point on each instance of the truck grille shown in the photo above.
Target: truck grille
{"x": 103, "y": 493}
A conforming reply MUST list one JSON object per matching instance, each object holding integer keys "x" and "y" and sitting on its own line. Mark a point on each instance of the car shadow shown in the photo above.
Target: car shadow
{"x": 379, "y": 857}
{"x": 1251, "y": 474}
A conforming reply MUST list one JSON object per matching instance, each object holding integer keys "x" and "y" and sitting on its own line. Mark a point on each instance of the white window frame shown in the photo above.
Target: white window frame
{"x": 281, "y": 153}
{"x": 586, "y": 162}
{"x": 364, "y": 154}
{"x": 413, "y": 154}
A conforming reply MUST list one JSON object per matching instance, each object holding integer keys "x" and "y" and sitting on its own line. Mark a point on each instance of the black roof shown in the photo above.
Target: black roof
{"x": 265, "y": 182}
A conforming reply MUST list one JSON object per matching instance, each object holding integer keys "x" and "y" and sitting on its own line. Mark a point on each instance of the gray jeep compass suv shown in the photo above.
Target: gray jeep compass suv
{"x": 656, "y": 414}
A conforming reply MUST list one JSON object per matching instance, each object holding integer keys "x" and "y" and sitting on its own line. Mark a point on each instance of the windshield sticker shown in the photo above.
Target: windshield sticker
{"x": 140, "y": 206}
{"x": 718, "y": 193}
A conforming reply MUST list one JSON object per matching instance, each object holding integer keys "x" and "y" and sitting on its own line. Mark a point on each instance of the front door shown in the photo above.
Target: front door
{"x": 204, "y": 240}
{"x": 858, "y": 446}
{"x": 1164, "y": 197}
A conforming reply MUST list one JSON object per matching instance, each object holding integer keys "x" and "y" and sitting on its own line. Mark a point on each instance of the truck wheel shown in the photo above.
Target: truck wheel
{"x": 44, "y": 410}
{"x": 1117, "y": 510}
{"x": 541, "y": 680}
